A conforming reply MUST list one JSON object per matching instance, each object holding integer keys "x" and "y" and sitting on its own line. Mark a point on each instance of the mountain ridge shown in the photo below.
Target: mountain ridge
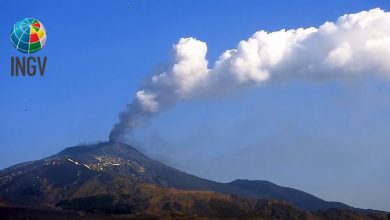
{"x": 110, "y": 172}
{"x": 216, "y": 186}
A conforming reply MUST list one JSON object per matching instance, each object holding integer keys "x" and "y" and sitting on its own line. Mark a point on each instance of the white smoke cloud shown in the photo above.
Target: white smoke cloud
{"x": 147, "y": 101}
{"x": 355, "y": 44}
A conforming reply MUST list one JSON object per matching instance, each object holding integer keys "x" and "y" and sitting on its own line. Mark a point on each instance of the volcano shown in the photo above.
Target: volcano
{"x": 116, "y": 179}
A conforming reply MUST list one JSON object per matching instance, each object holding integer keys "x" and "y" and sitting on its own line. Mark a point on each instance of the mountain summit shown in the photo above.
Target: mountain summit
{"x": 117, "y": 178}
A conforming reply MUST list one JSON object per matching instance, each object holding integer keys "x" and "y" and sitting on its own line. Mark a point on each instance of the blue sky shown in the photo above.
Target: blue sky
{"x": 330, "y": 139}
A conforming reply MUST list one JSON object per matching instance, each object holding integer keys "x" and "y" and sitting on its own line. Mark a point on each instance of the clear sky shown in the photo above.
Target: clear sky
{"x": 329, "y": 139}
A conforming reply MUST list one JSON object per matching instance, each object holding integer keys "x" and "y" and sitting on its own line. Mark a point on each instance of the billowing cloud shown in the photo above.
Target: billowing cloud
{"x": 356, "y": 44}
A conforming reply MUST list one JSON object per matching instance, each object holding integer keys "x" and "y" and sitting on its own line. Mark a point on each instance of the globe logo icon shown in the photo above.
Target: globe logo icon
{"x": 28, "y": 36}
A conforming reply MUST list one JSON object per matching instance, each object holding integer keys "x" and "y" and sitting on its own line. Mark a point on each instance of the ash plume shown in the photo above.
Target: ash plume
{"x": 356, "y": 44}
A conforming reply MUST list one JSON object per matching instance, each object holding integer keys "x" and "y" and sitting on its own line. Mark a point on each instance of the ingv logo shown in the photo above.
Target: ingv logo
{"x": 28, "y": 36}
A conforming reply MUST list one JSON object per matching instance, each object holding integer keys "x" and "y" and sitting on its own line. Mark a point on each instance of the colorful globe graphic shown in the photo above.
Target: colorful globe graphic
{"x": 28, "y": 36}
